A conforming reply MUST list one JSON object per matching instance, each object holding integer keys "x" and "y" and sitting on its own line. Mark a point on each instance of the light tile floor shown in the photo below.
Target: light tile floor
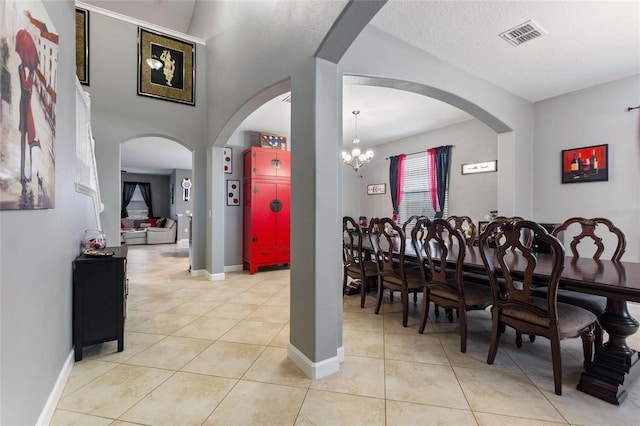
{"x": 199, "y": 352}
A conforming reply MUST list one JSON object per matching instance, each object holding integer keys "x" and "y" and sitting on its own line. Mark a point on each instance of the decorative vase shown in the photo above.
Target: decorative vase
{"x": 94, "y": 239}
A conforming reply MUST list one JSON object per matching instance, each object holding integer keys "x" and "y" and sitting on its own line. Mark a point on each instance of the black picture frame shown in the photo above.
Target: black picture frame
{"x": 585, "y": 164}
{"x": 174, "y": 79}
{"x": 82, "y": 45}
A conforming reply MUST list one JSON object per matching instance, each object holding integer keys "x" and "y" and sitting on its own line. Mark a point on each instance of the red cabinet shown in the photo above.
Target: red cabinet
{"x": 267, "y": 207}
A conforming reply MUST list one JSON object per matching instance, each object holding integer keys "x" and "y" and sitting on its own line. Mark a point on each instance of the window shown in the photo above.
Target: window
{"x": 416, "y": 195}
{"x": 137, "y": 208}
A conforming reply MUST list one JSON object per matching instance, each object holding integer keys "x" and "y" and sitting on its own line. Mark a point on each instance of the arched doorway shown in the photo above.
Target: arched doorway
{"x": 162, "y": 163}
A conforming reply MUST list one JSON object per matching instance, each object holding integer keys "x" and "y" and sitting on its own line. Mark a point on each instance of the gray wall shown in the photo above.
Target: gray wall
{"x": 238, "y": 142}
{"x": 36, "y": 251}
{"x": 119, "y": 115}
{"x": 244, "y": 61}
{"x": 160, "y": 196}
{"x": 471, "y": 195}
{"x": 180, "y": 208}
{"x": 593, "y": 116}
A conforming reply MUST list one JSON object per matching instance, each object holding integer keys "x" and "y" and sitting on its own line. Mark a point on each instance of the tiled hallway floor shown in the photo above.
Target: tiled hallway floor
{"x": 201, "y": 352}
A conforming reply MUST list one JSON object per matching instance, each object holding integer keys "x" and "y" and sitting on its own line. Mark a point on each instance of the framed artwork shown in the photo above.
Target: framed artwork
{"x": 268, "y": 140}
{"x": 587, "y": 164}
{"x": 377, "y": 189}
{"x": 166, "y": 67}
{"x": 82, "y": 45}
{"x": 29, "y": 47}
{"x": 227, "y": 154}
{"x": 482, "y": 225}
{"x": 484, "y": 167}
{"x": 233, "y": 192}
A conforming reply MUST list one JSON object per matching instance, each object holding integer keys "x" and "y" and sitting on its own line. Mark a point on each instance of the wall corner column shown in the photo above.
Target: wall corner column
{"x": 316, "y": 174}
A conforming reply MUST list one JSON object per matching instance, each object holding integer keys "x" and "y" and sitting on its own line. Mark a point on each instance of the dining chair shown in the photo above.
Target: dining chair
{"x": 443, "y": 286}
{"x": 410, "y": 223}
{"x": 465, "y": 226}
{"x": 526, "y": 236}
{"x": 354, "y": 259}
{"x": 389, "y": 245}
{"x": 513, "y": 302}
{"x": 587, "y": 230}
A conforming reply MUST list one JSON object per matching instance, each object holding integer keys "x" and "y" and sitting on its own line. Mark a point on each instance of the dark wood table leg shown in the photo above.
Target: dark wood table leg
{"x": 615, "y": 364}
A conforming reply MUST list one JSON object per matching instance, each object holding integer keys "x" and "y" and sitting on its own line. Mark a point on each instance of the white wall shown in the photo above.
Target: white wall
{"x": 593, "y": 116}
{"x": 37, "y": 248}
{"x": 471, "y": 195}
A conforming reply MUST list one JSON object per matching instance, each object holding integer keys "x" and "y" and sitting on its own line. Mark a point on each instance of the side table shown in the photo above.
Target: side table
{"x": 100, "y": 291}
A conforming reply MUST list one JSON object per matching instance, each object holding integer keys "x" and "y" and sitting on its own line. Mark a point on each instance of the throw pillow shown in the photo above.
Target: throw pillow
{"x": 152, "y": 221}
{"x": 160, "y": 222}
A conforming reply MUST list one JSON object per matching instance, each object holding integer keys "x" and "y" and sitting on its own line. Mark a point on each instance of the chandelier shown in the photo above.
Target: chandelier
{"x": 357, "y": 158}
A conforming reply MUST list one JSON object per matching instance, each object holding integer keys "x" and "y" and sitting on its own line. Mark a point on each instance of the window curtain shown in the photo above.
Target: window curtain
{"x": 127, "y": 192}
{"x": 396, "y": 175}
{"x": 145, "y": 190}
{"x": 433, "y": 184}
{"x": 442, "y": 155}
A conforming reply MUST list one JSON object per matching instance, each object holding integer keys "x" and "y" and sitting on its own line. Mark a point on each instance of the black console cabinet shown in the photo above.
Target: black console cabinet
{"x": 99, "y": 299}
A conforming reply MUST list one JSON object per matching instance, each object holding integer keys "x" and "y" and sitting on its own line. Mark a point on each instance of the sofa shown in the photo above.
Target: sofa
{"x": 152, "y": 231}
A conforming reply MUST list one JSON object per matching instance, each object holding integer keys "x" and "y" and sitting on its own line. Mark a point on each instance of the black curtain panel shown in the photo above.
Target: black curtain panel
{"x": 145, "y": 190}
{"x": 394, "y": 166}
{"x": 127, "y": 192}
{"x": 443, "y": 154}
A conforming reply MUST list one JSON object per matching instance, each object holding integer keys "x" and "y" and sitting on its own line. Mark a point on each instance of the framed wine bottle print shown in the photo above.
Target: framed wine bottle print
{"x": 586, "y": 164}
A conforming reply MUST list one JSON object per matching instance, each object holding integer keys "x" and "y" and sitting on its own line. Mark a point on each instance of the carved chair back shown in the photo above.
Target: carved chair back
{"x": 588, "y": 228}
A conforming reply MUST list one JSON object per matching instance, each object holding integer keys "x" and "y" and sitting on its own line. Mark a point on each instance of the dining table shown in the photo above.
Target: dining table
{"x": 615, "y": 365}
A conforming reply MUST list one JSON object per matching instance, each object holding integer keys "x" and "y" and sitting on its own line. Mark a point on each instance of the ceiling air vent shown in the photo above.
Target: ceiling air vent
{"x": 523, "y": 33}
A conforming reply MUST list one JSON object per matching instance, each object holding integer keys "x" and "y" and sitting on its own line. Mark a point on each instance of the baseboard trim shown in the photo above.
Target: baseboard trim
{"x": 199, "y": 273}
{"x": 205, "y": 273}
{"x": 314, "y": 370}
{"x": 233, "y": 268}
{"x": 54, "y": 397}
{"x": 217, "y": 277}
{"x": 341, "y": 354}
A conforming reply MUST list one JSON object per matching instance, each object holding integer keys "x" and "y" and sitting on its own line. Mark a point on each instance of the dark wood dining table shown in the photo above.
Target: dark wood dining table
{"x": 615, "y": 364}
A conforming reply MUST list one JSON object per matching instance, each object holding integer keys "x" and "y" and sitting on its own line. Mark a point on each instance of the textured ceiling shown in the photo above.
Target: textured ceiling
{"x": 587, "y": 42}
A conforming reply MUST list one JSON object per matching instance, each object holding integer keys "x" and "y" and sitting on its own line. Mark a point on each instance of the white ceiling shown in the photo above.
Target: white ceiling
{"x": 154, "y": 155}
{"x": 587, "y": 43}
